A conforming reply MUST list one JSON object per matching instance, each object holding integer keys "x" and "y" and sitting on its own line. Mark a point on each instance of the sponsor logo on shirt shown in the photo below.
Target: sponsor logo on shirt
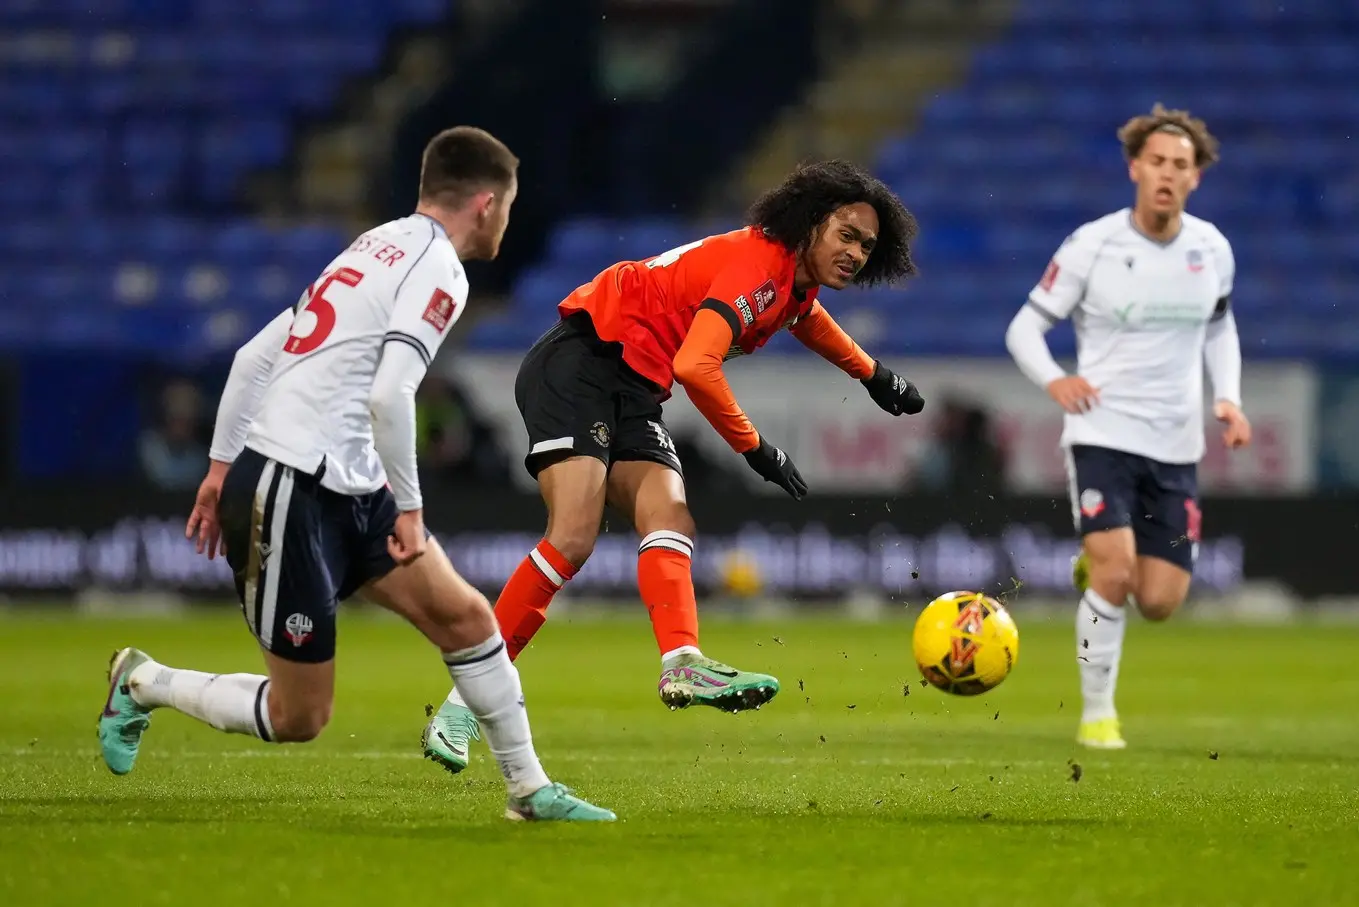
{"x": 743, "y": 306}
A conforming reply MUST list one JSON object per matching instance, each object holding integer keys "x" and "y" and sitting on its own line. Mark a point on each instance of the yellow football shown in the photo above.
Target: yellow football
{"x": 965, "y": 643}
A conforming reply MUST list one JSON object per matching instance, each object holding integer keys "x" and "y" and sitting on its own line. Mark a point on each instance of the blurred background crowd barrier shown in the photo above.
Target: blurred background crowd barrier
{"x": 176, "y": 171}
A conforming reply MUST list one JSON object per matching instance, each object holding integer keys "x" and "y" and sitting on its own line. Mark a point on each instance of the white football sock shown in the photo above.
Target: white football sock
{"x": 674, "y": 655}
{"x": 489, "y": 684}
{"x": 455, "y": 698}
{"x": 235, "y": 703}
{"x": 1099, "y": 648}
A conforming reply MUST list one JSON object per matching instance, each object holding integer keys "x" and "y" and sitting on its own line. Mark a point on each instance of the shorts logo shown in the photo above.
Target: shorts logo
{"x": 439, "y": 311}
{"x": 763, "y": 296}
{"x": 743, "y": 306}
{"x": 297, "y": 628}
{"x": 1092, "y": 503}
{"x": 733, "y": 353}
{"x": 1050, "y": 276}
{"x": 600, "y": 432}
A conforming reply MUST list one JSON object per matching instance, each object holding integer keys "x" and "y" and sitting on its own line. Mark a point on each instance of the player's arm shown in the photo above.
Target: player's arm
{"x": 428, "y": 302}
{"x": 1056, "y": 296}
{"x": 818, "y": 331}
{"x": 698, "y": 369}
{"x": 1222, "y": 357}
{"x": 1222, "y": 354}
{"x": 240, "y": 400}
{"x": 241, "y": 396}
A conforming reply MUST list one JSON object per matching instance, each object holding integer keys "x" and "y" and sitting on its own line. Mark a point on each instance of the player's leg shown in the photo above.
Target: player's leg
{"x": 573, "y": 490}
{"x": 1167, "y": 538}
{"x": 276, "y": 546}
{"x": 1103, "y": 492}
{"x": 647, "y": 487}
{"x": 457, "y": 618}
{"x": 564, "y": 391}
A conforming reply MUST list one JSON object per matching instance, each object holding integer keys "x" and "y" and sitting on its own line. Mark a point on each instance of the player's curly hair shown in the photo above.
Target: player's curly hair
{"x": 1136, "y": 131}
{"x": 812, "y": 192}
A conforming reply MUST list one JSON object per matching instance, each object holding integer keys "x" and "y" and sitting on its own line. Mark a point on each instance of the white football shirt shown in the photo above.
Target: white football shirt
{"x": 400, "y": 282}
{"x": 1140, "y": 309}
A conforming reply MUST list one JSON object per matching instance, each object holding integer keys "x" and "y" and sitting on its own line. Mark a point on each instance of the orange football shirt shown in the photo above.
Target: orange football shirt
{"x": 652, "y": 308}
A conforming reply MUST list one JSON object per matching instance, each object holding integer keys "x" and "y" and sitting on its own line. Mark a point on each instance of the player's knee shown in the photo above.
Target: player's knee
{"x": 674, "y": 517}
{"x": 575, "y": 543}
{"x": 1113, "y": 577}
{"x": 298, "y": 722}
{"x": 1158, "y": 606}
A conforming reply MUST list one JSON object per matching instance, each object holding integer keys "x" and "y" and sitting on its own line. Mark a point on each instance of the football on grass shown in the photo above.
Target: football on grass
{"x": 965, "y": 643}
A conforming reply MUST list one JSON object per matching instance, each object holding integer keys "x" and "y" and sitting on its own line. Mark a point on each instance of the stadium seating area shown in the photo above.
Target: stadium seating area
{"x": 126, "y": 128}
{"x": 1001, "y": 169}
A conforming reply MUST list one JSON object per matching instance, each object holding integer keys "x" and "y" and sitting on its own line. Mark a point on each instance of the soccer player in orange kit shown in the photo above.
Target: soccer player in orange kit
{"x": 590, "y": 392}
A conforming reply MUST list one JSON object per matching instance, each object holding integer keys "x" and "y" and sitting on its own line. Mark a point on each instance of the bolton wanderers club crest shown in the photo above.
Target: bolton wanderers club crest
{"x": 297, "y": 628}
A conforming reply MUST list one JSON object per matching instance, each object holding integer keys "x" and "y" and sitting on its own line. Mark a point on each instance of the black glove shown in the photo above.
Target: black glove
{"x": 775, "y": 466}
{"x": 893, "y": 393}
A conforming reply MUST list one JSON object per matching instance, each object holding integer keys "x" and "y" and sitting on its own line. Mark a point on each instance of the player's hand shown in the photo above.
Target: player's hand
{"x": 775, "y": 466}
{"x": 203, "y": 521}
{"x": 893, "y": 393}
{"x": 1237, "y": 432}
{"x": 407, "y": 541}
{"x": 1074, "y": 394}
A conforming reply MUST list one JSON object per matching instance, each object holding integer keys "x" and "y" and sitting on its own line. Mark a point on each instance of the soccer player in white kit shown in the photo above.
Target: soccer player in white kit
{"x": 313, "y": 494}
{"x": 1149, "y": 291}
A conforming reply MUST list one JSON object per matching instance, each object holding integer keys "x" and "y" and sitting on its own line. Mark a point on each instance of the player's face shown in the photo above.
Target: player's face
{"x": 841, "y": 245}
{"x": 1164, "y": 173}
{"x": 497, "y": 219}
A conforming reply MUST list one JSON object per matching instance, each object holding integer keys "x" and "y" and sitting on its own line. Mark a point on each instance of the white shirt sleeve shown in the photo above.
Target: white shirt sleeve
{"x": 1062, "y": 286}
{"x": 1222, "y": 343}
{"x": 428, "y": 302}
{"x": 1226, "y": 266}
{"x": 1026, "y": 343}
{"x": 249, "y": 374}
{"x": 1222, "y": 355}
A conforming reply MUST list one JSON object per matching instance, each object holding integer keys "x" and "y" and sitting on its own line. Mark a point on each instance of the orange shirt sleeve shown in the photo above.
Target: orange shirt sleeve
{"x": 818, "y": 332}
{"x": 698, "y": 369}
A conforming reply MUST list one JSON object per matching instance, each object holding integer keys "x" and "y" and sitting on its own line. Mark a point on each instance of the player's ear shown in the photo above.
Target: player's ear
{"x": 485, "y": 204}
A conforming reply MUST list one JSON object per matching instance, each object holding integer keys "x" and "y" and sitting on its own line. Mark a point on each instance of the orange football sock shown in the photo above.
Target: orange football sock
{"x": 521, "y": 609}
{"x": 667, "y": 587}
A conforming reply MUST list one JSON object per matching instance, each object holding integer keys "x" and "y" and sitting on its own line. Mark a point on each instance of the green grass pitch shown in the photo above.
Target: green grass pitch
{"x": 1239, "y": 786}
